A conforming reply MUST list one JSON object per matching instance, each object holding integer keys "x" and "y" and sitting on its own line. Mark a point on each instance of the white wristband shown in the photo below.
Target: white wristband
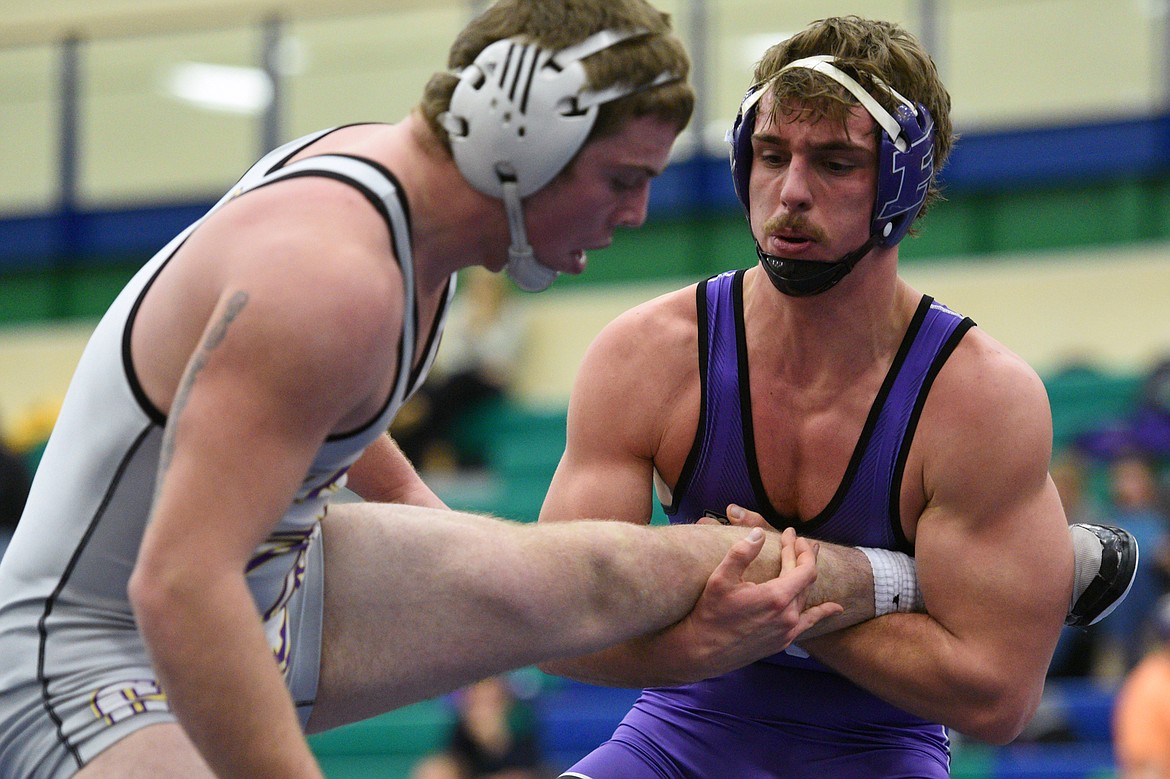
{"x": 895, "y": 582}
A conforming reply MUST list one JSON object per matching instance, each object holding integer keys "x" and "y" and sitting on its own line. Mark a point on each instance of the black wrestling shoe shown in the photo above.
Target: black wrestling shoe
{"x": 1106, "y": 564}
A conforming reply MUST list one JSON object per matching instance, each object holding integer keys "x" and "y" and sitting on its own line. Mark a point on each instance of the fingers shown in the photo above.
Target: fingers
{"x": 738, "y": 515}
{"x": 814, "y": 614}
{"x": 807, "y": 551}
{"x": 788, "y": 550}
{"x": 739, "y": 556}
{"x": 798, "y": 567}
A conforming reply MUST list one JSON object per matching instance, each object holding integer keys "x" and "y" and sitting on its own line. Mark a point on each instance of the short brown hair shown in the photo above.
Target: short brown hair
{"x": 865, "y": 49}
{"x": 555, "y": 24}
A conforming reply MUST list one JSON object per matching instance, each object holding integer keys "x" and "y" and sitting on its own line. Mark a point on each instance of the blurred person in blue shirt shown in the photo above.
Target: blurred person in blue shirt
{"x": 1137, "y": 507}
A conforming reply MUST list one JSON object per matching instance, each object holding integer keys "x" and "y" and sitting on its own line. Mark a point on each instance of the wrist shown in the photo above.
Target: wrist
{"x": 895, "y": 582}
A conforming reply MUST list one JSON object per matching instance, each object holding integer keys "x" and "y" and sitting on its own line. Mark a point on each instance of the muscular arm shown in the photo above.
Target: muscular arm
{"x": 993, "y": 558}
{"x": 277, "y": 368}
{"x": 616, "y": 422}
{"x": 384, "y": 474}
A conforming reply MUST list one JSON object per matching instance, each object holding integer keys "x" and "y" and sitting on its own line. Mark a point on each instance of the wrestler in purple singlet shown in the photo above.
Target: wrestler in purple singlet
{"x": 787, "y": 716}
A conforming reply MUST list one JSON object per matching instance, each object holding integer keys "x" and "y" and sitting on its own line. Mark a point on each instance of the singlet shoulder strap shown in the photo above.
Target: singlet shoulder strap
{"x": 384, "y": 192}
{"x": 380, "y": 188}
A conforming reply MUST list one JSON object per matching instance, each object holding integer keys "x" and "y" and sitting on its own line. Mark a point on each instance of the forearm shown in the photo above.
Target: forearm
{"x": 916, "y": 664}
{"x": 847, "y": 576}
{"x": 383, "y": 474}
{"x": 220, "y": 678}
{"x": 647, "y": 661}
{"x": 844, "y": 576}
{"x": 742, "y": 616}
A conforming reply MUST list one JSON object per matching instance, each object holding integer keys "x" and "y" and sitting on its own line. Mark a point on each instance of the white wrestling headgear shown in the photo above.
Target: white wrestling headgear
{"x": 518, "y": 116}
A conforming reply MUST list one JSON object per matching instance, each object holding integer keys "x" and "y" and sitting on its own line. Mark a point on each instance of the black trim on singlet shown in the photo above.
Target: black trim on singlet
{"x": 414, "y": 370}
{"x": 399, "y": 190}
{"x": 769, "y": 512}
{"x": 285, "y": 159}
{"x": 429, "y": 346}
{"x": 414, "y": 375}
{"x": 153, "y": 412}
{"x": 688, "y": 469}
{"x": 365, "y": 191}
{"x": 384, "y": 212}
{"x": 936, "y": 366}
{"x": 51, "y": 601}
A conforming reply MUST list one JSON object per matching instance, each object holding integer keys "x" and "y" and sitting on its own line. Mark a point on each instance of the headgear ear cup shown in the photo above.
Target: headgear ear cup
{"x": 740, "y": 138}
{"x": 518, "y": 116}
{"x": 903, "y": 176}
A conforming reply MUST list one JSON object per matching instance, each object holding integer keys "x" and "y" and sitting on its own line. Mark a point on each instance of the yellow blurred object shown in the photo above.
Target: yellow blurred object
{"x": 31, "y": 428}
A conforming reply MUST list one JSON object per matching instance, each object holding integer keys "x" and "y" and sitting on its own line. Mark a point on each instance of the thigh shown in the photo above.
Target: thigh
{"x": 154, "y": 751}
{"x": 419, "y": 602}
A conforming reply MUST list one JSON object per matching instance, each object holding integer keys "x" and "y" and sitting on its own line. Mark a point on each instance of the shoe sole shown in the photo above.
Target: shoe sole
{"x": 1127, "y": 565}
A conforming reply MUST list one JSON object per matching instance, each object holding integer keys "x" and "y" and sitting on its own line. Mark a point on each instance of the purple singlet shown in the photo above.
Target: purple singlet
{"x": 787, "y": 717}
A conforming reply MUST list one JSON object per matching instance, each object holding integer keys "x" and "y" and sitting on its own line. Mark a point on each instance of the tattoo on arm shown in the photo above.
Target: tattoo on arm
{"x": 198, "y": 361}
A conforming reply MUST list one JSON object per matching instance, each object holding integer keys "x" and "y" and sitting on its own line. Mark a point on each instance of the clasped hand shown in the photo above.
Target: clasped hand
{"x": 737, "y": 619}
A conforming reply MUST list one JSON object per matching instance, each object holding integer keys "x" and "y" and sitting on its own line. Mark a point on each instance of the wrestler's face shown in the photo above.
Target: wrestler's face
{"x": 607, "y": 186}
{"x": 813, "y": 183}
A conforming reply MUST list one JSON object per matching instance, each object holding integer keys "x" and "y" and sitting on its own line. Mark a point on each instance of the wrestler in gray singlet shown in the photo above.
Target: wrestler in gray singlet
{"x": 74, "y": 672}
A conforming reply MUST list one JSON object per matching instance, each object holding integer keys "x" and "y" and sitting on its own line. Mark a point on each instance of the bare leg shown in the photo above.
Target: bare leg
{"x": 158, "y": 750}
{"x": 419, "y": 602}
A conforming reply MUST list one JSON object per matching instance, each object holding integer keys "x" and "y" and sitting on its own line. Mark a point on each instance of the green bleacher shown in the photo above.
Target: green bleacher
{"x": 384, "y": 747}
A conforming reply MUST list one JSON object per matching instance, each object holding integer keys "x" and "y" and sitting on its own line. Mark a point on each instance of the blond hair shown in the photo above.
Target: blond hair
{"x": 865, "y": 49}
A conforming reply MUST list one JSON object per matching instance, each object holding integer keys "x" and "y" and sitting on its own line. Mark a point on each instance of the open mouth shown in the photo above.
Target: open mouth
{"x": 791, "y": 242}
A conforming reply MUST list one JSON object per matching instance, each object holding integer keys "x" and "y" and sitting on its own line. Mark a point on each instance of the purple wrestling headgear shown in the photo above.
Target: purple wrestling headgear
{"x": 905, "y": 169}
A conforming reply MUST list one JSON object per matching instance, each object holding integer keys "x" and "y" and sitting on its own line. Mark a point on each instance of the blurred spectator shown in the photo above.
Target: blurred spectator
{"x": 1124, "y": 635}
{"x": 481, "y": 348}
{"x": 1141, "y": 717}
{"x": 495, "y": 737}
{"x": 1070, "y": 471}
{"x": 14, "y": 486}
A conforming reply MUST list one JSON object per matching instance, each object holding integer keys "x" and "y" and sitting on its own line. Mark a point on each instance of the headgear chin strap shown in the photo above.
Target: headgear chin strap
{"x": 905, "y": 169}
{"x": 803, "y": 278}
{"x": 518, "y": 116}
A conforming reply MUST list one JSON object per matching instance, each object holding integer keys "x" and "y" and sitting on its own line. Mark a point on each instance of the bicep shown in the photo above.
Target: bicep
{"x": 602, "y": 473}
{"x": 994, "y": 559}
{"x": 598, "y": 487}
{"x": 235, "y": 450}
{"x": 607, "y": 466}
{"x": 1000, "y": 578}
